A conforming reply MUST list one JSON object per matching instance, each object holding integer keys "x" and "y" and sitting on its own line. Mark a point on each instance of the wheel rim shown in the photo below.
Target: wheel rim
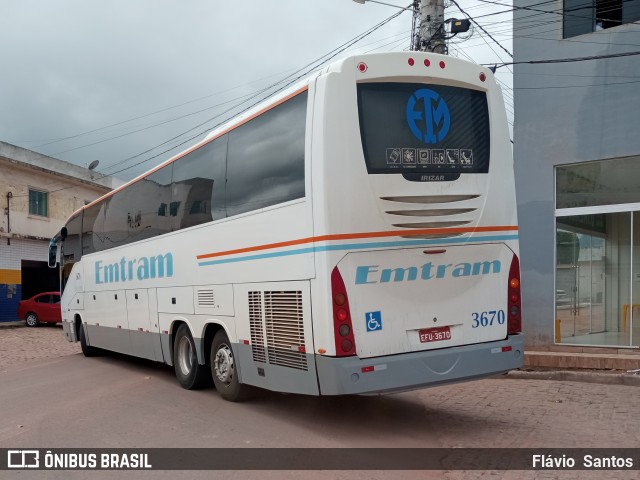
{"x": 223, "y": 364}
{"x": 31, "y": 320}
{"x": 185, "y": 356}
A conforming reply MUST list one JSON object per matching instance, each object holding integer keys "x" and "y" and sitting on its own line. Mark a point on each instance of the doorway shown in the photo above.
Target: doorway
{"x": 597, "y": 279}
{"x": 37, "y": 277}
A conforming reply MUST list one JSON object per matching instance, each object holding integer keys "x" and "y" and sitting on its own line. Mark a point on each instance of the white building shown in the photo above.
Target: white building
{"x": 38, "y": 194}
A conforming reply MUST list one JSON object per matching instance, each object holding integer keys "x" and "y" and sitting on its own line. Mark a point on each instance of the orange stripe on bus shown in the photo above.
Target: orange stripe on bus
{"x": 355, "y": 236}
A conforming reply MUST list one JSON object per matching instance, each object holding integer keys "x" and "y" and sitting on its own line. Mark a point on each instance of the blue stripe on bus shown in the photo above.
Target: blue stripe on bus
{"x": 358, "y": 246}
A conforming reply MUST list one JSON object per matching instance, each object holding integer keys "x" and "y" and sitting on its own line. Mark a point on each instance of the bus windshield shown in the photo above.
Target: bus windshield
{"x": 424, "y": 129}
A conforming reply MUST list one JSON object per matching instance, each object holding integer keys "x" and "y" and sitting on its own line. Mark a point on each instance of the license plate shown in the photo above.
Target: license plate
{"x": 435, "y": 334}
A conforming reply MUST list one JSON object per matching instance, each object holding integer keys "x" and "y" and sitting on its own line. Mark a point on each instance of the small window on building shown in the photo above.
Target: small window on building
{"x": 586, "y": 16}
{"x": 198, "y": 206}
{"x": 38, "y": 203}
{"x": 608, "y": 13}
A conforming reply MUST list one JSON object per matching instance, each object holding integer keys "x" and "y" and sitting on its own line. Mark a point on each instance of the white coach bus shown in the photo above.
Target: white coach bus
{"x": 357, "y": 234}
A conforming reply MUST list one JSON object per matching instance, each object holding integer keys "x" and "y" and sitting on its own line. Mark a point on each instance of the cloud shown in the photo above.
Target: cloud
{"x": 75, "y": 66}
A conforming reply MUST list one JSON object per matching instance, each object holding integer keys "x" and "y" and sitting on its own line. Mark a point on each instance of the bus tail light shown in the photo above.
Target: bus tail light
{"x": 514, "y": 299}
{"x": 342, "y": 326}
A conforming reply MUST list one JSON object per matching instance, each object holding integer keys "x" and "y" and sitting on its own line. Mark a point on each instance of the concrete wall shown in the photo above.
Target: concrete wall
{"x": 564, "y": 113}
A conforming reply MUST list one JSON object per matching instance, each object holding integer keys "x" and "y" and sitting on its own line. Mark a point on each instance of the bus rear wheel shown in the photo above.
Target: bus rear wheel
{"x": 189, "y": 372}
{"x": 224, "y": 369}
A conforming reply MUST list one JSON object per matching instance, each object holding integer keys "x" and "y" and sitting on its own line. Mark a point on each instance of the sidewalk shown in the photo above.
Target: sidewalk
{"x": 17, "y": 323}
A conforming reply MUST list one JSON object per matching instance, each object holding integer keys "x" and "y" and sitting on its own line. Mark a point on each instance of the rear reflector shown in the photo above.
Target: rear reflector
{"x": 373, "y": 368}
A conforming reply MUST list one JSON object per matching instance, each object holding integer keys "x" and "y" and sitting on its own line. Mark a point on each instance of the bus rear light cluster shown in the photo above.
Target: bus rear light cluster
{"x": 514, "y": 322}
{"x": 342, "y": 326}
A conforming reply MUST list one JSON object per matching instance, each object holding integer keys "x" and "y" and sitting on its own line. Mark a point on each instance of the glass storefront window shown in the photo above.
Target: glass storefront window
{"x": 597, "y": 293}
{"x": 606, "y": 182}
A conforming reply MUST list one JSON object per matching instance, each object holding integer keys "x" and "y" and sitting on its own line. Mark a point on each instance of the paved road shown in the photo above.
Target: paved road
{"x": 51, "y": 396}
{"x": 20, "y": 345}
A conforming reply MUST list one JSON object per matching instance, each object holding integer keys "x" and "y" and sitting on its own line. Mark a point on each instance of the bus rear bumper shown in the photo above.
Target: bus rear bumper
{"x": 410, "y": 371}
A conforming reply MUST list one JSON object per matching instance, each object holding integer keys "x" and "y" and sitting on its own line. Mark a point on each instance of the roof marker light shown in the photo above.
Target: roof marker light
{"x": 483, "y": 77}
{"x": 442, "y": 64}
{"x": 427, "y": 62}
{"x": 412, "y": 62}
{"x": 362, "y": 67}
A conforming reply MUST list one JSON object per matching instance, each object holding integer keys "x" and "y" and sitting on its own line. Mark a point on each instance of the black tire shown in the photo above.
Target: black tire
{"x": 224, "y": 369}
{"x": 32, "y": 319}
{"x": 190, "y": 374}
{"x": 87, "y": 350}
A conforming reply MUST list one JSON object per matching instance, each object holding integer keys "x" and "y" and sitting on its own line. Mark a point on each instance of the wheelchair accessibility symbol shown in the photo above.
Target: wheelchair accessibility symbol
{"x": 374, "y": 321}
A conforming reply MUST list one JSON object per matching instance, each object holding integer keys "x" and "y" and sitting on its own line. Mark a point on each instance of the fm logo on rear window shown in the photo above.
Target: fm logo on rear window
{"x": 428, "y": 116}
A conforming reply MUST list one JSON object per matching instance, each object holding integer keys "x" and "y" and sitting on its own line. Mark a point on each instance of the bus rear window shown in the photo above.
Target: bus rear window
{"x": 423, "y": 129}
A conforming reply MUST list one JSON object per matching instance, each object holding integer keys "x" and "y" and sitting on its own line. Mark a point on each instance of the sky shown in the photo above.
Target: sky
{"x": 133, "y": 82}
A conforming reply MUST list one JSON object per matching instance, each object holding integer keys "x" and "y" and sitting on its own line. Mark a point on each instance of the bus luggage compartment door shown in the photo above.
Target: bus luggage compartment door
{"x": 417, "y": 299}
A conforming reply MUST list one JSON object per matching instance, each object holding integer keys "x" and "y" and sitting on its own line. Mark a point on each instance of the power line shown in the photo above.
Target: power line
{"x": 145, "y": 115}
{"x": 569, "y": 60}
{"x": 481, "y": 28}
{"x": 577, "y": 86}
{"x": 306, "y": 70}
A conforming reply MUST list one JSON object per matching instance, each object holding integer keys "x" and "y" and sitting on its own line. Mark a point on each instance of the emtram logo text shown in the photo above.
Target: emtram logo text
{"x": 143, "y": 268}
{"x": 373, "y": 273}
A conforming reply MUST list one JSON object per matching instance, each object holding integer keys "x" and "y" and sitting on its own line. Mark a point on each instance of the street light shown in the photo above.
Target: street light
{"x": 383, "y": 3}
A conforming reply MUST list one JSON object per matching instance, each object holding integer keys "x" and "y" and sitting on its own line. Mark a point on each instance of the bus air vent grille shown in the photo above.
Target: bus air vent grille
{"x": 430, "y": 198}
{"x": 206, "y": 298}
{"x": 284, "y": 327}
{"x": 436, "y": 212}
{"x": 431, "y": 211}
{"x": 255, "y": 325}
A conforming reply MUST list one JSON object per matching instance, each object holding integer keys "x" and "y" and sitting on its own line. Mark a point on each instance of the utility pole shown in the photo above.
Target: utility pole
{"x": 428, "y": 26}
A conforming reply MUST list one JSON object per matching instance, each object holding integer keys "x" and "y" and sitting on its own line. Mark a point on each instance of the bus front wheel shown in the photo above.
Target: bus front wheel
{"x": 224, "y": 369}
{"x": 87, "y": 350}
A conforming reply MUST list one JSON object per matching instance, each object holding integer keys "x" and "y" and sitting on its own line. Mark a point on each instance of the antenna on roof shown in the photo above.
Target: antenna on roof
{"x": 92, "y": 167}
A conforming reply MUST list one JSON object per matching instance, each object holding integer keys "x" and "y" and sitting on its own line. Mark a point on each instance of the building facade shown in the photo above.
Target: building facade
{"x": 39, "y": 193}
{"x": 577, "y": 162}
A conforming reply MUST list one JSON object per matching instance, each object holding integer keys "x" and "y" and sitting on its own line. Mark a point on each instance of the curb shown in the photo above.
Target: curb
{"x": 601, "y": 377}
{"x": 16, "y": 324}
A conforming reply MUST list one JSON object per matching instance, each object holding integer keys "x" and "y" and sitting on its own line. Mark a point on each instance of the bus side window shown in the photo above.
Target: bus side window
{"x": 265, "y": 160}
{"x": 198, "y": 185}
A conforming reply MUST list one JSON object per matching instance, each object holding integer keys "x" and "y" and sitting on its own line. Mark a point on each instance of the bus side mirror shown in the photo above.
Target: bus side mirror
{"x": 63, "y": 233}
{"x": 53, "y": 251}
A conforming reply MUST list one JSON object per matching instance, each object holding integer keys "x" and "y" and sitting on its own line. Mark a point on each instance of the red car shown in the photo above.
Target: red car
{"x": 43, "y": 307}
